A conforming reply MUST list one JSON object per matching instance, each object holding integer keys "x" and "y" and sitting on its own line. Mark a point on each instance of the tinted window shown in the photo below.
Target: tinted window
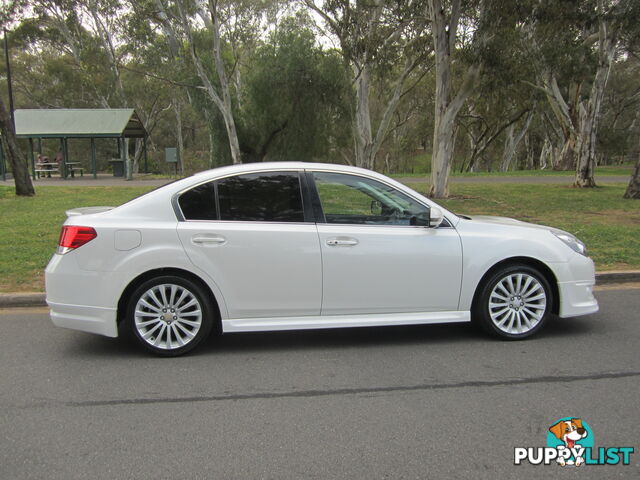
{"x": 266, "y": 197}
{"x": 359, "y": 200}
{"x": 199, "y": 203}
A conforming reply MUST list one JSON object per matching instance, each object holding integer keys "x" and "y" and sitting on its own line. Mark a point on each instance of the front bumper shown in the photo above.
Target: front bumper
{"x": 576, "y": 298}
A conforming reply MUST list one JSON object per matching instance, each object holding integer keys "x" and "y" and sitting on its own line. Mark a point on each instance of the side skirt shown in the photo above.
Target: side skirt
{"x": 341, "y": 321}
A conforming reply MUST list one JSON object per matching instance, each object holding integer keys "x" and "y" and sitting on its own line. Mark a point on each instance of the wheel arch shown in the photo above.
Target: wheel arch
{"x": 530, "y": 262}
{"x": 179, "y": 272}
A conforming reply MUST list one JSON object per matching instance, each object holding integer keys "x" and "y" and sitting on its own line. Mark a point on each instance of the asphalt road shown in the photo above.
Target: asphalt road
{"x": 405, "y": 402}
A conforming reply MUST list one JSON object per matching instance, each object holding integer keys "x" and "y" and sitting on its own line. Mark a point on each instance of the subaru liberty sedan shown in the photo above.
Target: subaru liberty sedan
{"x": 289, "y": 246}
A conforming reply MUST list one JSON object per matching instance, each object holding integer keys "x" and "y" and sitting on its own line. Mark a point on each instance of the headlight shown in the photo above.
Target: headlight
{"x": 572, "y": 242}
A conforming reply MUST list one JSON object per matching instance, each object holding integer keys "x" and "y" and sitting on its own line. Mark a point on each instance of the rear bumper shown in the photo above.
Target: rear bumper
{"x": 84, "y": 318}
{"x": 81, "y": 299}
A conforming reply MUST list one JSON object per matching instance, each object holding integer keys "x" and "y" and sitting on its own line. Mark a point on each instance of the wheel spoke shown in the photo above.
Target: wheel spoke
{"x": 149, "y": 333}
{"x": 190, "y": 303}
{"x": 177, "y": 335}
{"x": 536, "y": 286}
{"x": 158, "y": 339}
{"x": 499, "y": 297}
{"x": 152, "y": 294}
{"x": 168, "y": 331}
{"x": 533, "y": 314}
{"x": 525, "y": 318}
{"x": 172, "y": 295}
{"x": 188, "y": 322}
{"x": 183, "y": 295}
{"x": 147, "y": 322}
{"x": 144, "y": 303}
{"x": 179, "y": 326}
{"x": 502, "y": 287}
{"x": 537, "y": 297}
{"x": 163, "y": 294}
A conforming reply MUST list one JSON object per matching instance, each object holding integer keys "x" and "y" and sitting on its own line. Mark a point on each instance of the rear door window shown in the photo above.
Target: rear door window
{"x": 261, "y": 197}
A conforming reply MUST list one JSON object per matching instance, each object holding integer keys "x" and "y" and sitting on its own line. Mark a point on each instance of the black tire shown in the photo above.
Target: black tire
{"x": 167, "y": 318}
{"x": 515, "y": 306}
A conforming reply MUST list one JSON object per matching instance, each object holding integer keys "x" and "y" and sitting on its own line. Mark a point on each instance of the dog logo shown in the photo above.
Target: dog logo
{"x": 570, "y": 432}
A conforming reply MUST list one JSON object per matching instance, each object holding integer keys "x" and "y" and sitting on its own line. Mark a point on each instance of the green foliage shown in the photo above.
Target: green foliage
{"x": 295, "y": 97}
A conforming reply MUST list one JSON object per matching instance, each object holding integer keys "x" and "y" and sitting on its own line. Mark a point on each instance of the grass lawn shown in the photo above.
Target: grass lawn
{"x": 610, "y": 225}
{"x": 600, "y": 171}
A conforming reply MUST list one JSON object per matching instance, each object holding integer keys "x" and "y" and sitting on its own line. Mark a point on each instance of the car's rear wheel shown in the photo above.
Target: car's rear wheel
{"x": 514, "y": 303}
{"x": 170, "y": 315}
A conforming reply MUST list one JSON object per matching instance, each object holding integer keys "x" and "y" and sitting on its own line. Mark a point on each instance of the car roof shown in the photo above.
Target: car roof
{"x": 262, "y": 166}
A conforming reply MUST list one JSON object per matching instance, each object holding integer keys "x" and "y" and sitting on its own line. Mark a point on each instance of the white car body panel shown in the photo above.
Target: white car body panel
{"x": 314, "y": 285}
{"x": 264, "y": 269}
{"x": 390, "y": 269}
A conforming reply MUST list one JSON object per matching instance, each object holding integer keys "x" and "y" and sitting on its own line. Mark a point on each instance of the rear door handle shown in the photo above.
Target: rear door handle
{"x": 204, "y": 239}
{"x": 342, "y": 242}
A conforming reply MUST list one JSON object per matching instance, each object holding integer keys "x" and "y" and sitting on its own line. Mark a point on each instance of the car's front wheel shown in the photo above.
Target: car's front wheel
{"x": 170, "y": 315}
{"x": 514, "y": 302}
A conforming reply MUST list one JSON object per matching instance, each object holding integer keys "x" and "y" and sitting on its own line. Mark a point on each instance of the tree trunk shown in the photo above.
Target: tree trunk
{"x": 589, "y": 114}
{"x": 512, "y": 141}
{"x": 444, "y": 29}
{"x": 128, "y": 168}
{"x": 177, "y": 110}
{"x": 633, "y": 190}
{"x": 363, "y": 136}
{"x": 220, "y": 96}
{"x": 21, "y": 177}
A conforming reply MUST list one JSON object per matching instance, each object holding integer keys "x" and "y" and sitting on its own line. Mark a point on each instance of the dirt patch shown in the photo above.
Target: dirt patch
{"x": 612, "y": 217}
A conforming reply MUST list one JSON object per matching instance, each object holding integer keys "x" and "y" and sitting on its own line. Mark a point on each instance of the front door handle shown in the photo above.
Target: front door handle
{"x": 208, "y": 240}
{"x": 342, "y": 242}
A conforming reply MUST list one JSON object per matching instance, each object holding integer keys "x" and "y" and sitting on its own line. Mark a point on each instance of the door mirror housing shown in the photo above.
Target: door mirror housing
{"x": 436, "y": 217}
{"x": 376, "y": 207}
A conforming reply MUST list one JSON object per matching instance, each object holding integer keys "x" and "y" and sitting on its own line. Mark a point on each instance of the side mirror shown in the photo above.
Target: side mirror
{"x": 376, "y": 207}
{"x": 436, "y": 217}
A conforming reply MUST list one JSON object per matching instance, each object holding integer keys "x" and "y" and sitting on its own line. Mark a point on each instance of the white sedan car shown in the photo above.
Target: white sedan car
{"x": 288, "y": 246}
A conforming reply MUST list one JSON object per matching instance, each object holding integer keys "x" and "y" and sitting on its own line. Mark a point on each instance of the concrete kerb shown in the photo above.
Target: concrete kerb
{"x": 36, "y": 299}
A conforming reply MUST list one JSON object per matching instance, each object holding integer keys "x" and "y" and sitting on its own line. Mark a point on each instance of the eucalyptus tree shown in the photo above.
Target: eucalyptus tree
{"x": 376, "y": 37}
{"x": 463, "y": 36}
{"x": 574, "y": 45}
{"x": 223, "y": 21}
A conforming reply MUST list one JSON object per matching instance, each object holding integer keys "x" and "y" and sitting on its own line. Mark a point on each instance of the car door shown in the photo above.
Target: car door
{"x": 378, "y": 255}
{"x": 249, "y": 233}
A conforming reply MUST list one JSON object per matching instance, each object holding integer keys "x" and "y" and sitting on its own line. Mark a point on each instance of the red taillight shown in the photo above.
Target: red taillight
{"x": 73, "y": 236}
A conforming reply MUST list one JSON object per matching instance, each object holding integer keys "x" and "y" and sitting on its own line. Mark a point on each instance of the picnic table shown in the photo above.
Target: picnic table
{"x": 46, "y": 168}
{"x": 73, "y": 167}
